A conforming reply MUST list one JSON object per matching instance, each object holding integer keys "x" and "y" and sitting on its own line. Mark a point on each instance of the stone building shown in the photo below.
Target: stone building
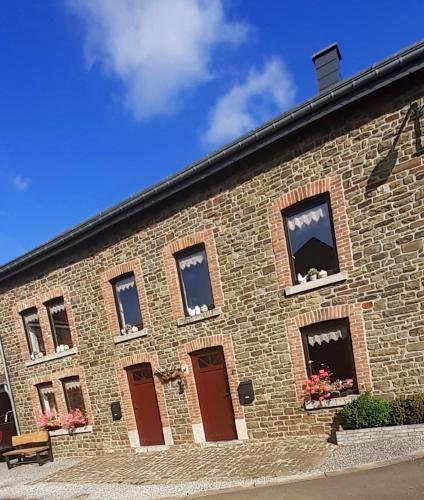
{"x": 195, "y": 279}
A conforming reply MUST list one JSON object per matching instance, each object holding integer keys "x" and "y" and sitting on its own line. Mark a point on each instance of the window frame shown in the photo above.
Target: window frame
{"x": 63, "y": 380}
{"x": 47, "y": 305}
{"x": 345, "y": 324}
{"x": 43, "y": 408}
{"x": 185, "y": 253}
{"x": 27, "y": 336}
{"x": 306, "y": 204}
{"x": 113, "y": 282}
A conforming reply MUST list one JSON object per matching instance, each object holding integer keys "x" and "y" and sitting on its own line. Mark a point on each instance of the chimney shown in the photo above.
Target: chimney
{"x": 327, "y": 65}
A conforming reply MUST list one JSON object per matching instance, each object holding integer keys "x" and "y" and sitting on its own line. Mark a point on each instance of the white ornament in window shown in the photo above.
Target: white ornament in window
{"x": 298, "y": 221}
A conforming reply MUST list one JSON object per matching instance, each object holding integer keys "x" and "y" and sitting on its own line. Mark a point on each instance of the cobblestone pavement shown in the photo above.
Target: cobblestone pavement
{"x": 181, "y": 464}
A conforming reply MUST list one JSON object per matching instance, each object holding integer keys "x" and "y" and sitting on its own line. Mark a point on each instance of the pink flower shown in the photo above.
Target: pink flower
{"x": 321, "y": 398}
{"x": 74, "y": 418}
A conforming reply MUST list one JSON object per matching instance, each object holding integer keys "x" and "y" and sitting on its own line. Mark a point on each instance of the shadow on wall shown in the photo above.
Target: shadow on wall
{"x": 384, "y": 167}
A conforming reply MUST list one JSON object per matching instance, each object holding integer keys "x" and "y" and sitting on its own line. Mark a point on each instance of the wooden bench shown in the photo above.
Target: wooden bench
{"x": 33, "y": 447}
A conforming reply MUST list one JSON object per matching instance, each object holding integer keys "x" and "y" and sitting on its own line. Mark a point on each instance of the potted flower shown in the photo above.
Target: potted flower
{"x": 319, "y": 389}
{"x": 73, "y": 419}
{"x": 49, "y": 421}
{"x": 312, "y": 274}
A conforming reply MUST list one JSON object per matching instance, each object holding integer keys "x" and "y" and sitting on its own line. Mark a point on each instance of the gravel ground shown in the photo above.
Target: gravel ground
{"x": 377, "y": 451}
{"x": 23, "y": 483}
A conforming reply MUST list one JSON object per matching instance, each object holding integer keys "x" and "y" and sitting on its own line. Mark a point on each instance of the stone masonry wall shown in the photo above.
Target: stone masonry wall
{"x": 384, "y": 284}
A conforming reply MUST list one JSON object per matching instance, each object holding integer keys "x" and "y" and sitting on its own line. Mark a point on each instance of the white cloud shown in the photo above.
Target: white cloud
{"x": 265, "y": 93}
{"x": 158, "y": 49}
{"x": 20, "y": 183}
{"x": 10, "y": 180}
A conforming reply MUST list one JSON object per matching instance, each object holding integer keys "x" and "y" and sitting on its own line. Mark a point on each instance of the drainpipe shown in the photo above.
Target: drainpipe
{"x": 8, "y": 388}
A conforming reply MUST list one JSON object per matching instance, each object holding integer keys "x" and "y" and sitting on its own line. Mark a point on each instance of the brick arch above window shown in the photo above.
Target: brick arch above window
{"x": 331, "y": 185}
{"x": 127, "y": 406}
{"x": 132, "y": 266}
{"x": 38, "y": 302}
{"x": 352, "y": 312}
{"x": 201, "y": 237}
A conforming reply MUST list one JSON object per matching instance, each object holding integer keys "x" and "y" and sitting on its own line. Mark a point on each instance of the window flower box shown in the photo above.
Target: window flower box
{"x": 336, "y": 402}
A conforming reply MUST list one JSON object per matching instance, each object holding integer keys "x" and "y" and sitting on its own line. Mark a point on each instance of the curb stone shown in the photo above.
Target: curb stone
{"x": 297, "y": 478}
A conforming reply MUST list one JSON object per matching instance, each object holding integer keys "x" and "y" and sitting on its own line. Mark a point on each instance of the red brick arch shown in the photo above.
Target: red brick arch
{"x": 331, "y": 185}
{"x": 184, "y": 351}
{"x": 353, "y": 312}
{"x": 206, "y": 237}
{"x": 127, "y": 406}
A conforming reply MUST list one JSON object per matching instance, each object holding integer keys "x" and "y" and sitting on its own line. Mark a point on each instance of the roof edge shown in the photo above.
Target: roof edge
{"x": 391, "y": 69}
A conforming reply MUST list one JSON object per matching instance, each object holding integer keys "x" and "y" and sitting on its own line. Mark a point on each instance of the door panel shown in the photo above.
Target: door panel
{"x": 145, "y": 404}
{"x": 214, "y": 394}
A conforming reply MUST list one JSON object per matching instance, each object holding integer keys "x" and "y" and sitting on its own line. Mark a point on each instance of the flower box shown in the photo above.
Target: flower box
{"x": 329, "y": 403}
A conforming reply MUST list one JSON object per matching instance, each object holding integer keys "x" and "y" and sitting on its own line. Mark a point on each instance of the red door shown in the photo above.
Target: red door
{"x": 145, "y": 403}
{"x": 214, "y": 394}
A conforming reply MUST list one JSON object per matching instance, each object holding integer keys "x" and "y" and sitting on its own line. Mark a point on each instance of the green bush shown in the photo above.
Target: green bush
{"x": 365, "y": 411}
{"x": 414, "y": 409}
{"x": 397, "y": 411}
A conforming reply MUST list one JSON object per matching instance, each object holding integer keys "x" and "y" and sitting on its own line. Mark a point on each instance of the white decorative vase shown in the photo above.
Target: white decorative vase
{"x": 322, "y": 274}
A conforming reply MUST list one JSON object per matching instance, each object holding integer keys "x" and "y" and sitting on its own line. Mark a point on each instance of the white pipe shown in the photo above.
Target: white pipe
{"x": 9, "y": 388}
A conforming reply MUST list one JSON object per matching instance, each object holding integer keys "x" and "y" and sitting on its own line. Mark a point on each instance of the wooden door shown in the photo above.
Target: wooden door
{"x": 145, "y": 404}
{"x": 214, "y": 394}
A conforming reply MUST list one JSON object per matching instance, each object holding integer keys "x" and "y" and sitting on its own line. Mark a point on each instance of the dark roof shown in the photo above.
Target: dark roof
{"x": 392, "y": 69}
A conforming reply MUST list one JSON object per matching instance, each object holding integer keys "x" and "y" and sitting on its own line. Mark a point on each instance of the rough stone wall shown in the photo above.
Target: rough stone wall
{"x": 385, "y": 282}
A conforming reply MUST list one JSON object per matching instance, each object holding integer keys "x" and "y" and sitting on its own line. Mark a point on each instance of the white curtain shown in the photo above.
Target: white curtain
{"x": 125, "y": 284}
{"x": 327, "y": 337}
{"x": 306, "y": 218}
{"x": 45, "y": 392}
{"x": 32, "y": 325}
{"x": 193, "y": 260}
{"x": 72, "y": 384}
{"x": 57, "y": 308}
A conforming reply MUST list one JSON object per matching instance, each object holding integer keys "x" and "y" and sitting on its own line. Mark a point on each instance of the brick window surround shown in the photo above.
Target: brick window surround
{"x": 332, "y": 186}
{"x": 202, "y": 237}
{"x": 132, "y": 266}
{"x": 43, "y": 316}
{"x": 56, "y": 380}
{"x": 224, "y": 341}
{"x": 127, "y": 406}
{"x": 357, "y": 332}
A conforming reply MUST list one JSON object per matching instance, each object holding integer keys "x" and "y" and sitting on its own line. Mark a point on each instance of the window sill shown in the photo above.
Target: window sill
{"x": 199, "y": 317}
{"x": 130, "y": 336}
{"x": 318, "y": 283}
{"x": 65, "y": 432}
{"x": 330, "y": 403}
{"x": 51, "y": 357}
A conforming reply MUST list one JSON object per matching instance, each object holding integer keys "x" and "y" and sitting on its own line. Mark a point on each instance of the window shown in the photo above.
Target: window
{"x": 33, "y": 332}
{"x": 328, "y": 345}
{"x": 127, "y": 303}
{"x": 59, "y": 324}
{"x": 310, "y": 235}
{"x": 195, "y": 281}
{"x": 47, "y": 397}
{"x": 73, "y": 394}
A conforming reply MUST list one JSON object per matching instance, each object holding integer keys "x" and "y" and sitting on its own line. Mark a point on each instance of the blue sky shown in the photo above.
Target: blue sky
{"x": 101, "y": 98}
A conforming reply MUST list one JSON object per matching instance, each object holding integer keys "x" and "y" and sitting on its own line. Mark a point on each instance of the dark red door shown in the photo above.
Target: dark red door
{"x": 214, "y": 394}
{"x": 145, "y": 403}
